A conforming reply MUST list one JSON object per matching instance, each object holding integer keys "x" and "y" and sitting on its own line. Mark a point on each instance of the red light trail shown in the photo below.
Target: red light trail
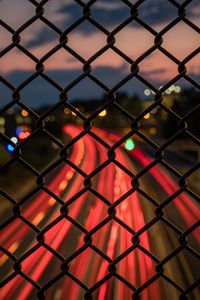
{"x": 89, "y": 267}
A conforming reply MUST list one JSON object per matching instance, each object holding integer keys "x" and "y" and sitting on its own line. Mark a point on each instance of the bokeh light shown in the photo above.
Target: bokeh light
{"x": 24, "y": 135}
{"x": 10, "y": 148}
{"x": 129, "y": 144}
{"x": 177, "y": 89}
{"x": 24, "y": 113}
{"x": 147, "y": 92}
{"x": 103, "y": 113}
{"x": 147, "y": 116}
{"x": 14, "y": 140}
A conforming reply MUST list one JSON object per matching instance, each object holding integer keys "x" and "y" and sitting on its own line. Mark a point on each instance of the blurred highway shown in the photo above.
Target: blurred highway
{"x": 67, "y": 237}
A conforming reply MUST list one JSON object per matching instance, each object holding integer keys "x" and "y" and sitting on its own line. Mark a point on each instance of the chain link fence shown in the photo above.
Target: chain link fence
{"x": 136, "y": 246}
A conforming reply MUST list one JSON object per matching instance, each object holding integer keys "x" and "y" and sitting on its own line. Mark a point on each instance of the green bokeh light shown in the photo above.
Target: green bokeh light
{"x": 129, "y": 144}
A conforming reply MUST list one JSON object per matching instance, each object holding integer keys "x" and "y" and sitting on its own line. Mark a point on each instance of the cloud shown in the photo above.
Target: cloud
{"x": 155, "y": 72}
{"x": 40, "y": 93}
{"x": 86, "y": 40}
{"x": 108, "y": 14}
{"x": 42, "y": 37}
{"x": 115, "y": 12}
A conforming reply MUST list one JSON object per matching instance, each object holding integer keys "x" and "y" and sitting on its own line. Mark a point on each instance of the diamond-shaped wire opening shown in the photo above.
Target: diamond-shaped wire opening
{"x": 44, "y": 258}
{"x": 110, "y": 68}
{"x": 40, "y": 209}
{"x": 14, "y": 72}
{"x": 110, "y": 15}
{"x": 153, "y": 13}
{"x": 89, "y": 204}
{"x": 84, "y": 261}
{"x": 14, "y": 187}
{"x": 187, "y": 155}
{"x": 182, "y": 261}
{"x": 88, "y": 146}
{"x": 86, "y": 40}
{"x": 152, "y": 192}
{"x": 156, "y": 244}
{"x": 40, "y": 146}
{"x": 59, "y": 17}
{"x": 106, "y": 239}
{"x": 36, "y": 34}
{"x": 113, "y": 118}
{"x": 116, "y": 174}
{"x": 158, "y": 69}
{"x": 68, "y": 13}
{"x": 130, "y": 103}
{"x": 136, "y": 211}
{"x": 16, "y": 121}
{"x": 183, "y": 210}
{"x": 19, "y": 18}
{"x": 159, "y": 175}
{"x": 42, "y": 94}
{"x": 87, "y": 88}
{"x": 131, "y": 92}
{"x": 142, "y": 265}
{"x": 135, "y": 87}
{"x": 167, "y": 117}
{"x": 19, "y": 240}
{"x": 128, "y": 46}
{"x": 63, "y": 181}
{"x": 71, "y": 235}
{"x": 171, "y": 39}
{"x": 63, "y": 67}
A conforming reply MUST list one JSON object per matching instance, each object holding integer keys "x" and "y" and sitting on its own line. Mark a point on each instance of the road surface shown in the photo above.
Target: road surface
{"x": 77, "y": 253}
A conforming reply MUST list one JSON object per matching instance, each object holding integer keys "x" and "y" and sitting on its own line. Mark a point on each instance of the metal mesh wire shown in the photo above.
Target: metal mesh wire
{"x": 87, "y": 129}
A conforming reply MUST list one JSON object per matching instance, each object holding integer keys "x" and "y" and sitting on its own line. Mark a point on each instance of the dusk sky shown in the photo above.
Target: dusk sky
{"x": 86, "y": 39}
